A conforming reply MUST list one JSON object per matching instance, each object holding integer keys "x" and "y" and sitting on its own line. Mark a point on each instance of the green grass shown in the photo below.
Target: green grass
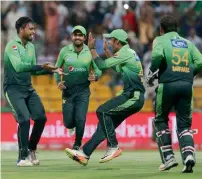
{"x": 131, "y": 165}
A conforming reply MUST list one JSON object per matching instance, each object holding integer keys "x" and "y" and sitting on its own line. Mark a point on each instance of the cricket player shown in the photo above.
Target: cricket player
{"x": 176, "y": 61}
{"x": 77, "y": 62}
{"x": 19, "y": 64}
{"x": 112, "y": 113}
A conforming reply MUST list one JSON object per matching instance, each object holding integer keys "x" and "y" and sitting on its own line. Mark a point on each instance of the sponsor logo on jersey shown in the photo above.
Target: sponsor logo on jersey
{"x": 14, "y": 47}
{"x": 72, "y": 69}
{"x": 179, "y": 43}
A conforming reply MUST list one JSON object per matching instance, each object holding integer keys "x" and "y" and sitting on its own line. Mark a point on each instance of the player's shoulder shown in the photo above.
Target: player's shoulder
{"x": 12, "y": 44}
{"x": 31, "y": 44}
{"x": 187, "y": 41}
{"x": 65, "y": 48}
{"x": 124, "y": 52}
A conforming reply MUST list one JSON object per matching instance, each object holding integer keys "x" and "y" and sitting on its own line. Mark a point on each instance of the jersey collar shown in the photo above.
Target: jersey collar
{"x": 17, "y": 39}
{"x": 171, "y": 34}
{"x": 124, "y": 47}
{"x": 85, "y": 48}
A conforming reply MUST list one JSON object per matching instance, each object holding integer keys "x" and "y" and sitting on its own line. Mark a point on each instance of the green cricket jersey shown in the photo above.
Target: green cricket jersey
{"x": 19, "y": 64}
{"x": 175, "y": 57}
{"x": 126, "y": 62}
{"x": 77, "y": 65}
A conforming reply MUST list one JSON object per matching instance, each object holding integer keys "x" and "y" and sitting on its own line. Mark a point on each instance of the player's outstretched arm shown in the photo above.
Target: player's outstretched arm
{"x": 197, "y": 59}
{"x": 59, "y": 64}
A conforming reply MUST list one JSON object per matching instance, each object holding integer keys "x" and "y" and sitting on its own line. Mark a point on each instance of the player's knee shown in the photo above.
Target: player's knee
{"x": 68, "y": 124}
{"x": 100, "y": 110}
{"x": 41, "y": 118}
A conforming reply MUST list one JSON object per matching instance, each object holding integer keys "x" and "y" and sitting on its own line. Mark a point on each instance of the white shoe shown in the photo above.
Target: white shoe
{"x": 71, "y": 131}
{"x": 77, "y": 155}
{"x": 32, "y": 157}
{"x": 188, "y": 164}
{"x": 168, "y": 164}
{"x": 25, "y": 163}
{"x": 111, "y": 154}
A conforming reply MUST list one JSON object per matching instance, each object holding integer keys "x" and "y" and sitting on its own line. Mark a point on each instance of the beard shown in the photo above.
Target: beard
{"x": 78, "y": 45}
{"x": 28, "y": 38}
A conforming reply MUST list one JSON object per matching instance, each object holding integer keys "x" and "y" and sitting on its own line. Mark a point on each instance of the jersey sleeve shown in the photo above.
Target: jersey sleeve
{"x": 17, "y": 63}
{"x": 157, "y": 55}
{"x": 59, "y": 63}
{"x": 41, "y": 72}
{"x": 98, "y": 72}
{"x": 197, "y": 59}
{"x": 112, "y": 61}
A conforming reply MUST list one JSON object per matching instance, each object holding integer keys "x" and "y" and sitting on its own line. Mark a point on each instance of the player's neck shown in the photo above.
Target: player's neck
{"x": 78, "y": 49}
{"x": 24, "y": 42}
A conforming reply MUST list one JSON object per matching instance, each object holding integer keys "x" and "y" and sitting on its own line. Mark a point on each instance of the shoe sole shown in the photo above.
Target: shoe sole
{"x": 35, "y": 163}
{"x": 114, "y": 156}
{"x": 25, "y": 165}
{"x": 189, "y": 166}
{"x": 168, "y": 168}
{"x": 75, "y": 158}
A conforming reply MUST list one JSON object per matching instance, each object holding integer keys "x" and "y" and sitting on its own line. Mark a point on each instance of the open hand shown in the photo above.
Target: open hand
{"x": 92, "y": 77}
{"x": 91, "y": 41}
{"x": 61, "y": 85}
{"x": 59, "y": 71}
{"x": 105, "y": 44}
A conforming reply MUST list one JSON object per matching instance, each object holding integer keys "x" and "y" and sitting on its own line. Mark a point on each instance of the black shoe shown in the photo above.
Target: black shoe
{"x": 75, "y": 147}
{"x": 189, "y": 164}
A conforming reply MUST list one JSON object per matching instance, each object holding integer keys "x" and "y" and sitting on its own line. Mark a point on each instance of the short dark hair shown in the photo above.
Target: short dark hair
{"x": 22, "y": 22}
{"x": 168, "y": 24}
{"x": 122, "y": 43}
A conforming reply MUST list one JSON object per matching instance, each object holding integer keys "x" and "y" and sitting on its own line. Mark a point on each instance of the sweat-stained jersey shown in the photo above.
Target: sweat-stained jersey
{"x": 127, "y": 63}
{"x": 175, "y": 57}
{"x": 77, "y": 65}
{"x": 19, "y": 64}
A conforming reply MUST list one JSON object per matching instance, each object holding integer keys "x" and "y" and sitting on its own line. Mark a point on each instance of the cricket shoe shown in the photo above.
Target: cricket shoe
{"x": 71, "y": 131}
{"x": 32, "y": 157}
{"x": 111, "y": 154}
{"x": 189, "y": 163}
{"x": 25, "y": 163}
{"x": 170, "y": 163}
{"x": 78, "y": 156}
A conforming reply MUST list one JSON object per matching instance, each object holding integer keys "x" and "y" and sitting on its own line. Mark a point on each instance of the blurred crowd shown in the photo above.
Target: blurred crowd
{"x": 55, "y": 20}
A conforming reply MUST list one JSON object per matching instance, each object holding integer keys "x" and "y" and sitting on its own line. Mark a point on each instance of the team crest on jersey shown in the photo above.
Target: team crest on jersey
{"x": 86, "y": 60}
{"x": 179, "y": 43}
{"x": 14, "y": 47}
{"x": 116, "y": 55}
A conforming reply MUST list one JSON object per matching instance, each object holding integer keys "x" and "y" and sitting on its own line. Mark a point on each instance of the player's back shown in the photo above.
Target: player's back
{"x": 177, "y": 54}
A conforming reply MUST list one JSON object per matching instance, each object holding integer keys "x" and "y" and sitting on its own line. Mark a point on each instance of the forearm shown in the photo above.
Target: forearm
{"x": 108, "y": 53}
{"x": 94, "y": 53}
{"x": 42, "y": 72}
{"x": 27, "y": 68}
{"x": 100, "y": 63}
{"x": 57, "y": 77}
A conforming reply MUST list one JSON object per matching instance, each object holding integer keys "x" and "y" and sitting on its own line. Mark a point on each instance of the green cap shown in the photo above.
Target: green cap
{"x": 118, "y": 34}
{"x": 80, "y": 28}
